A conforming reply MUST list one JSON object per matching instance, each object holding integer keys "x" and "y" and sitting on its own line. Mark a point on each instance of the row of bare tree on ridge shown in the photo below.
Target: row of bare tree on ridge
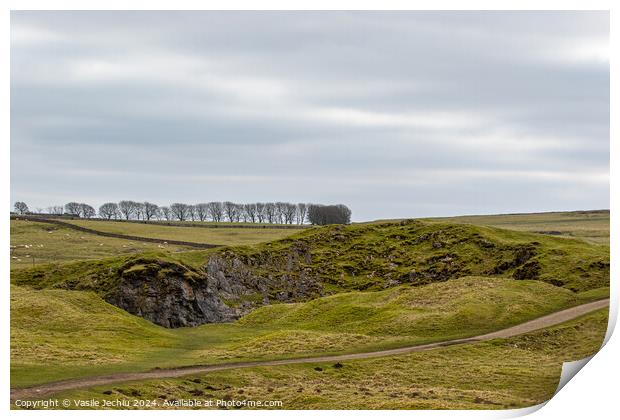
{"x": 214, "y": 211}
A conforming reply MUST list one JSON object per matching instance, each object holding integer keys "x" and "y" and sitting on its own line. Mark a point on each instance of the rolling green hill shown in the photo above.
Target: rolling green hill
{"x": 327, "y": 290}
{"x": 501, "y": 374}
{"x": 58, "y": 334}
{"x": 590, "y": 225}
{"x": 371, "y": 257}
{"x": 34, "y": 243}
{"x": 193, "y": 232}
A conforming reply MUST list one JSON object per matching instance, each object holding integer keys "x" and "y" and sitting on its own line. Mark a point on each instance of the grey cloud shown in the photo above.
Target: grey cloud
{"x": 435, "y": 112}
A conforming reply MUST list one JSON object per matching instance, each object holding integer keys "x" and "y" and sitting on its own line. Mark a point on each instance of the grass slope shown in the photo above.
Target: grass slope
{"x": 472, "y": 304}
{"x": 387, "y": 285}
{"x": 378, "y": 255}
{"x": 374, "y": 257}
{"x": 43, "y": 243}
{"x": 219, "y": 236}
{"x": 506, "y": 373}
{"x": 591, "y": 225}
{"x": 54, "y": 244}
{"x": 58, "y": 334}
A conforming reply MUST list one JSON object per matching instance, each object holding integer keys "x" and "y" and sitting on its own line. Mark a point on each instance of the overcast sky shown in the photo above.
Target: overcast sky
{"x": 394, "y": 114}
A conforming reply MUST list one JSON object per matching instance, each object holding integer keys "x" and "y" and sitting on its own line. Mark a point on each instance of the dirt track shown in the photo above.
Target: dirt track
{"x": 45, "y": 390}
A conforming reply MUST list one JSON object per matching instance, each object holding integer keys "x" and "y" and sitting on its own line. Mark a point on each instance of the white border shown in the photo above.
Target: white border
{"x": 593, "y": 394}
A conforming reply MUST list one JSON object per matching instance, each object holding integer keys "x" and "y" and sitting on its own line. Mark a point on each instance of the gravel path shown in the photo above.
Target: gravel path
{"x": 48, "y": 389}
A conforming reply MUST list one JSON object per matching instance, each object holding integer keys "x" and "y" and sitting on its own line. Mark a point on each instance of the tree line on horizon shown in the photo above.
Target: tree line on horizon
{"x": 214, "y": 211}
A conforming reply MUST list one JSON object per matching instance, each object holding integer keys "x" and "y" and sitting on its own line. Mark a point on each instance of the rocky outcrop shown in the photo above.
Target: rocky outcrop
{"x": 521, "y": 255}
{"x": 437, "y": 268}
{"x": 225, "y": 288}
{"x": 169, "y": 295}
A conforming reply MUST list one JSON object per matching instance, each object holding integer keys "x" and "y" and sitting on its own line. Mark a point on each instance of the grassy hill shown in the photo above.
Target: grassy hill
{"x": 42, "y": 243}
{"x": 448, "y": 308}
{"x": 502, "y": 374}
{"x": 35, "y": 243}
{"x": 378, "y": 285}
{"x": 590, "y": 225}
{"x": 60, "y": 333}
{"x": 57, "y": 334}
{"x": 372, "y": 257}
{"x": 222, "y": 235}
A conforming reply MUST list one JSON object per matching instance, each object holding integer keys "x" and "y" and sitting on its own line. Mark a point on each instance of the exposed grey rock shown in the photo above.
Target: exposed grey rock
{"x": 171, "y": 296}
{"x": 224, "y": 289}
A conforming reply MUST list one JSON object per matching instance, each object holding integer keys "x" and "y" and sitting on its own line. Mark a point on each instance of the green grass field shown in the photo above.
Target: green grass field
{"x": 217, "y": 236}
{"x": 589, "y": 225}
{"x": 506, "y": 373}
{"x": 373, "y": 257}
{"x": 44, "y": 243}
{"x": 59, "y": 334}
{"x": 376, "y": 255}
{"x": 385, "y": 285}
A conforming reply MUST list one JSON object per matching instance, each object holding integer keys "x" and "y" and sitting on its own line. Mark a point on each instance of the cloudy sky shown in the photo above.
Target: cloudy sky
{"x": 394, "y": 114}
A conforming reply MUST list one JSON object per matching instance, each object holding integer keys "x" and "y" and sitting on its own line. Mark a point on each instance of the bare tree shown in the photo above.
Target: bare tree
{"x": 191, "y": 212}
{"x": 302, "y": 210}
{"x": 275, "y": 212}
{"x": 108, "y": 210}
{"x": 230, "y": 209}
{"x": 55, "y": 210}
{"x": 139, "y": 211}
{"x": 150, "y": 210}
{"x": 260, "y": 212}
{"x": 288, "y": 212}
{"x": 250, "y": 212}
{"x": 86, "y": 211}
{"x": 128, "y": 209}
{"x": 202, "y": 211}
{"x": 166, "y": 213}
{"x": 180, "y": 211}
{"x": 280, "y": 210}
{"x": 270, "y": 212}
{"x": 239, "y": 212}
{"x": 73, "y": 208}
{"x": 21, "y": 207}
{"x": 215, "y": 210}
